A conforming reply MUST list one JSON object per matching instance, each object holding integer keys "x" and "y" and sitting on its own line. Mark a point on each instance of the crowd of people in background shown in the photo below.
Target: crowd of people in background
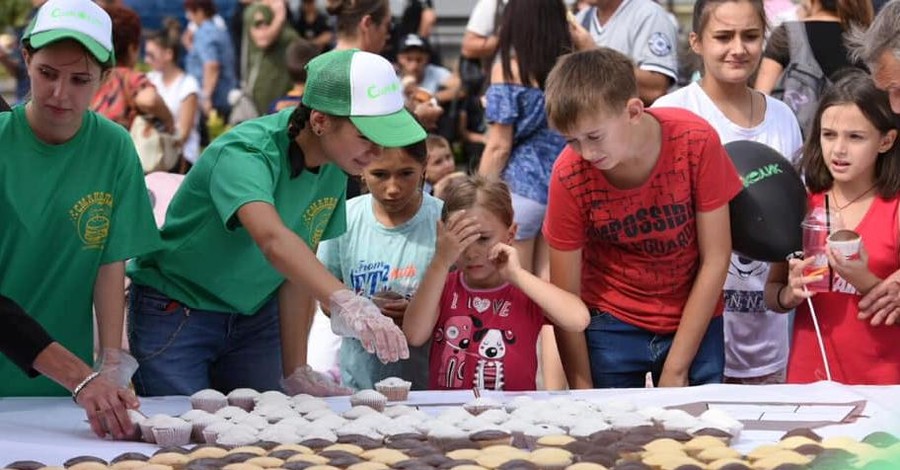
{"x": 347, "y": 204}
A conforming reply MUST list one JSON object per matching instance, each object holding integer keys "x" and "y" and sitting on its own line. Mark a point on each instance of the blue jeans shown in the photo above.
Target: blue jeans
{"x": 621, "y": 354}
{"x": 181, "y": 350}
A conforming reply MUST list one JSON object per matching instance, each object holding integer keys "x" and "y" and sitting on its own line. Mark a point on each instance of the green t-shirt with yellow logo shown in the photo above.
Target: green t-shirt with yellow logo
{"x": 65, "y": 210}
{"x": 209, "y": 261}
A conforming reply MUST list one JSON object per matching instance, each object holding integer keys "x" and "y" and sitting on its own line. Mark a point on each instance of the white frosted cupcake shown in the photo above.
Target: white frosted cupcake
{"x": 146, "y": 426}
{"x": 481, "y": 404}
{"x": 394, "y": 388}
{"x": 358, "y": 412}
{"x": 244, "y": 398}
{"x": 238, "y": 435}
{"x": 208, "y": 400}
{"x": 231, "y": 413}
{"x": 282, "y": 434}
{"x": 211, "y": 432}
{"x": 370, "y": 398}
{"x": 171, "y": 432}
{"x": 308, "y": 404}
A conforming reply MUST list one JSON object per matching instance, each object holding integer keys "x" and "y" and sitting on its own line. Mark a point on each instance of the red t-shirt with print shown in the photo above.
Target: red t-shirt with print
{"x": 484, "y": 338}
{"x": 640, "y": 250}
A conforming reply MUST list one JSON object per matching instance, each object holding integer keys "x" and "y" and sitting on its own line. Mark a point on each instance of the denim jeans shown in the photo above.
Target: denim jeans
{"x": 182, "y": 350}
{"x": 621, "y": 354}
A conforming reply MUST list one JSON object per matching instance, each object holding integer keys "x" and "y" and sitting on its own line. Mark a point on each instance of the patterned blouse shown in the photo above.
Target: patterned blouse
{"x": 534, "y": 147}
{"x": 115, "y": 98}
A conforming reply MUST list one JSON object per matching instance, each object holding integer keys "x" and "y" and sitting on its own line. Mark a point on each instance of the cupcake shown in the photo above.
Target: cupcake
{"x": 238, "y": 435}
{"x": 244, "y": 398}
{"x": 394, "y": 388}
{"x": 211, "y": 432}
{"x": 481, "y": 404}
{"x": 208, "y": 400}
{"x": 171, "y": 432}
{"x": 370, "y": 398}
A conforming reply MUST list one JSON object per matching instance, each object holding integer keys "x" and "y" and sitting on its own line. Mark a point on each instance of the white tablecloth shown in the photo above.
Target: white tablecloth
{"x": 52, "y": 430}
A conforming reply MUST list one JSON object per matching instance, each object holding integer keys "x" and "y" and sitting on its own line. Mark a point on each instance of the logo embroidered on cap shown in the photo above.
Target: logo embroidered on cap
{"x": 59, "y": 13}
{"x": 376, "y": 91}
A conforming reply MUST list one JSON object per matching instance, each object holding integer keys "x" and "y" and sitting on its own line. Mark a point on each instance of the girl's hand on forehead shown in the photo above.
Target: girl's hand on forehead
{"x": 455, "y": 235}
{"x": 505, "y": 259}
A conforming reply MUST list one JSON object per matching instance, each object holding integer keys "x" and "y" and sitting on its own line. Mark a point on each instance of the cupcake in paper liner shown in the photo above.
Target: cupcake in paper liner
{"x": 244, "y": 398}
{"x": 481, "y": 404}
{"x": 200, "y": 423}
{"x": 394, "y": 388}
{"x": 238, "y": 435}
{"x": 211, "y": 433}
{"x": 370, "y": 398}
{"x": 171, "y": 432}
{"x": 146, "y": 426}
{"x": 208, "y": 400}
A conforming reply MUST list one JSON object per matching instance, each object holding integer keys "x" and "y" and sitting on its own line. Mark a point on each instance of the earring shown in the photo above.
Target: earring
{"x": 318, "y": 131}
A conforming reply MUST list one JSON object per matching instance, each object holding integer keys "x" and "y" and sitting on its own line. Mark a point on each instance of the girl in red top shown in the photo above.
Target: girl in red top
{"x": 852, "y": 165}
{"x": 483, "y": 318}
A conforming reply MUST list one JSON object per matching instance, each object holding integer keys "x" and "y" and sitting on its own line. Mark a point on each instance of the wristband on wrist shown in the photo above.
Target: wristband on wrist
{"x": 78, "y": 388}
{"x": 778, "y": 298}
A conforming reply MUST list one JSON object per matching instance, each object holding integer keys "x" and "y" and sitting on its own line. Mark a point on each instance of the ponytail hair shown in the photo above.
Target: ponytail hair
{"x": 350, "y": 13}
{"x": 169, "y": 37}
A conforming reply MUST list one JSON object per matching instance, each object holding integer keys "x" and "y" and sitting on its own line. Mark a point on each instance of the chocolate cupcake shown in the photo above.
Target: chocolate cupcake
{"x": 83, "y": 459}
{"x": 518, "y": 464}
{"x": 365, "y": 442}
{"x": 491, "y": 437}
{"x": 129, "y": 456}
{"x": 805, "y": 432}
{"x": 25, "y": 465}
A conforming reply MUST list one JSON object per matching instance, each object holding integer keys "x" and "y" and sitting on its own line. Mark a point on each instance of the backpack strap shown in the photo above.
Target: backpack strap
{"x": 799, "y": 49}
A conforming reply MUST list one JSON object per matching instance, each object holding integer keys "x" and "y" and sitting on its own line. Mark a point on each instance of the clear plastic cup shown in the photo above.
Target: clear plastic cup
{"x": 816, "y": 228}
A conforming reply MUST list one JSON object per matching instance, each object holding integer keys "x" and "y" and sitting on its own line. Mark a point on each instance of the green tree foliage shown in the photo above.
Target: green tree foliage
{"x": 13, "y": 13}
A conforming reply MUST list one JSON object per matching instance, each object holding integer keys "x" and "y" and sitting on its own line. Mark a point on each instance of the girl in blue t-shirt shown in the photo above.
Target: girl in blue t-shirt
{"x": 383, "y": 254}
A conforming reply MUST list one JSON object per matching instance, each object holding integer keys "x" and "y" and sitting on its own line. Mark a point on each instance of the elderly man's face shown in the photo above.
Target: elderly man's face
{"x": 887, "y": 77}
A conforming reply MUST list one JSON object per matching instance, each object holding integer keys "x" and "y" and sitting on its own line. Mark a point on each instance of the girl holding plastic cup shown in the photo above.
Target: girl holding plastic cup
{"x": 851, "y": 162}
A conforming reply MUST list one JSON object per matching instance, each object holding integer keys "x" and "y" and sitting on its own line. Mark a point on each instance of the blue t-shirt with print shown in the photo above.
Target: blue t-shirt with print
{"x": 534, "y": 147}
{"x": 369, "y": 258}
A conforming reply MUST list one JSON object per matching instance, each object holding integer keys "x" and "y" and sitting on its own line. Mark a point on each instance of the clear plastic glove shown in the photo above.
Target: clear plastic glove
{"x": 106, "y": 405}
{"x": 117, "y": 366}
{"x": 357, "y": 317}
{"x": 307, "y": 380}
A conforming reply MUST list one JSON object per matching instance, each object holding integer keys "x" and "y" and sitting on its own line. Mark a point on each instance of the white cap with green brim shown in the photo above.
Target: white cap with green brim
{"x": 80, "y": 20}
{"x": 363, "y": 87}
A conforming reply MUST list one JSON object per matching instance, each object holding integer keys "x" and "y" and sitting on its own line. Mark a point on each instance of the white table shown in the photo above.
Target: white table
{"x": 52, "y": 430}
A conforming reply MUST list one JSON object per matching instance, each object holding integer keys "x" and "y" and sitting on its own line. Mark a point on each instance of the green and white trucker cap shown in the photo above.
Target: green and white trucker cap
{"x": 364, "y": 87}
{"x": 81, "y": 20}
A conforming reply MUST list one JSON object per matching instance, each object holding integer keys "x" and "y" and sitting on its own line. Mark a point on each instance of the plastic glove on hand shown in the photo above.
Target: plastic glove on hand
{"x": 357, "y": 317}
{"x": 306, "y": 380}
{"x": 117, "y": 366}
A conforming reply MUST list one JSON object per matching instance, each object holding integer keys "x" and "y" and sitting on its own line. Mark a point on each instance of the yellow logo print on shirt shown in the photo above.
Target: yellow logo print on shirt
{"x": 317, "y": 216}
{"x": 91, "y": 215}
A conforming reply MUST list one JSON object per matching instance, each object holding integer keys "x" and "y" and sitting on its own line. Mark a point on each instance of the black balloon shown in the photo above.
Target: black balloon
{"x": 766, "y": 215}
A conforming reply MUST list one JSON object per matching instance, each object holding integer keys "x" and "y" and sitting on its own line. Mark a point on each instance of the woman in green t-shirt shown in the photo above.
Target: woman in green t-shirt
{"x": 74, "y": 206}
{"x": 220, "y": 305}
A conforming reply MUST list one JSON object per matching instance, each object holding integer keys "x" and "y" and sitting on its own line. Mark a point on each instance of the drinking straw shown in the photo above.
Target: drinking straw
{"x": 812, "y": 312}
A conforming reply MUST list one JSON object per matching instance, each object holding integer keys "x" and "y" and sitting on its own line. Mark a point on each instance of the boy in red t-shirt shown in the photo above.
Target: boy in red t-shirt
{"x": 638, "y": 223}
